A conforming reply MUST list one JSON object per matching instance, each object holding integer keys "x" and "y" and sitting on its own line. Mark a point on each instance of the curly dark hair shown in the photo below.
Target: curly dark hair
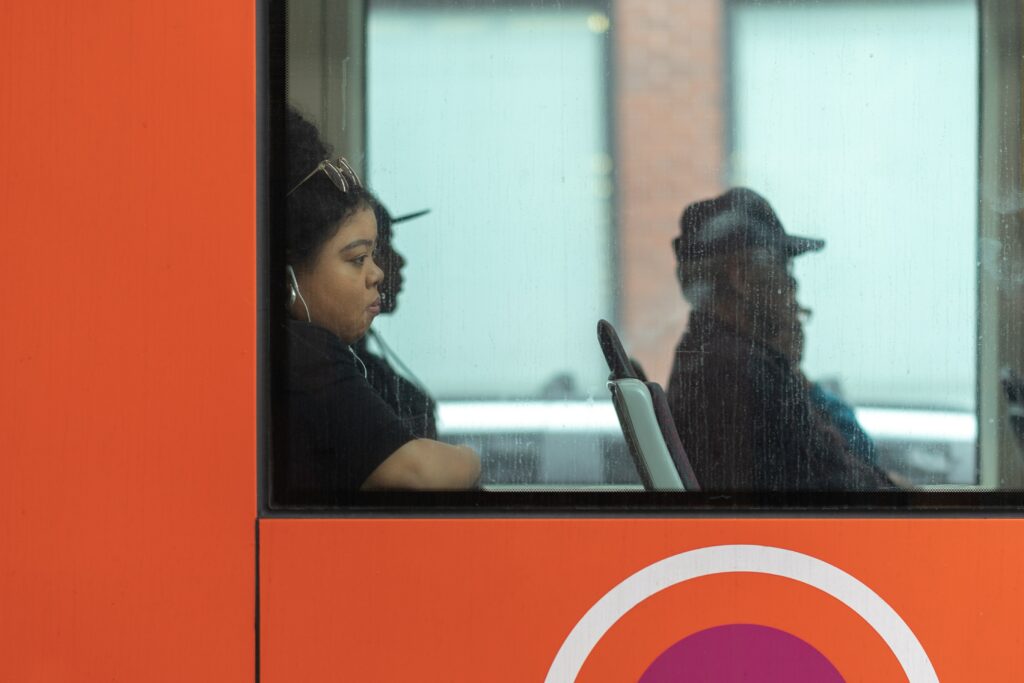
{"x": 317, "y": 208}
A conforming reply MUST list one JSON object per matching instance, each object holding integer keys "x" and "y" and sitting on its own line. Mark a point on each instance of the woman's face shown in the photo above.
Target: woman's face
{"x": 341, "y": 287}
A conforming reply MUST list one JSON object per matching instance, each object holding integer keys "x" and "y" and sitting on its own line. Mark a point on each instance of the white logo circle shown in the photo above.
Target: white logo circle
{"x": 758, "y": 559}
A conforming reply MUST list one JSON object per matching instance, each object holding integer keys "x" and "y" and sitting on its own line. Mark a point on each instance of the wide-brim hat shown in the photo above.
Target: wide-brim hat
{"x": 739, "y": 219}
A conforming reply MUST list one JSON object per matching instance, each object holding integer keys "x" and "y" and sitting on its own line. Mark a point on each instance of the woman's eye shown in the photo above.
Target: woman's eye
{"x": 359, "y": 261}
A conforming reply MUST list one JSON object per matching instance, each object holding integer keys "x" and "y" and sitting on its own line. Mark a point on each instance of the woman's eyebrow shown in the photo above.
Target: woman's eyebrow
{"x": 358, "y": 243}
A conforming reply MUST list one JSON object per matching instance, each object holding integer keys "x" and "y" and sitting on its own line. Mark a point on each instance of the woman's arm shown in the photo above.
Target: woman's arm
{"x": 422, "y": 464}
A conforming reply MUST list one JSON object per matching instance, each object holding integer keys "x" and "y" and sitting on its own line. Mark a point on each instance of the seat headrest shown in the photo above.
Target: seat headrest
{"x": 614, "y": 354}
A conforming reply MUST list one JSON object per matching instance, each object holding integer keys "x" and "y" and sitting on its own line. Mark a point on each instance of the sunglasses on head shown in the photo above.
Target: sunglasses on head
{"x": 339, "y": 171}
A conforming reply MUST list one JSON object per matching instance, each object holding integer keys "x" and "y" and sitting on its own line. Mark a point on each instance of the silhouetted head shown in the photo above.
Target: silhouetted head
{"x": 737, "y": 220}
{"x": 388, "y": 258}
{"x": 734, "y": 256}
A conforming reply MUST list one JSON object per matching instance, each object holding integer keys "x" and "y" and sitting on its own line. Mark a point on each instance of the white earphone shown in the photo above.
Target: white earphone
{"x": 293, "y": 293}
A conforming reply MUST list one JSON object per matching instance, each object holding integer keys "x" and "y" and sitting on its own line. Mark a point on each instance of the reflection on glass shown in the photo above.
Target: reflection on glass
{"x": 556, "y": 145}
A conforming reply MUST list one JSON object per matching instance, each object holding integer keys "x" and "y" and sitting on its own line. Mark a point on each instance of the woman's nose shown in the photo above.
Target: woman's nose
{"x": 376, "y": 275}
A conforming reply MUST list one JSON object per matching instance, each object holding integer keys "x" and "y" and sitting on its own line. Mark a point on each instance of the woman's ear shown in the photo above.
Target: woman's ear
{"x": 292, "y": 285}
{"x": 295, "y": 294}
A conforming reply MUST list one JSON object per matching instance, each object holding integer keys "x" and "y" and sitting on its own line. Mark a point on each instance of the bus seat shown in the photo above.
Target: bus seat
{"x": 671, "y": 437}
{"x": 647, "y": 424}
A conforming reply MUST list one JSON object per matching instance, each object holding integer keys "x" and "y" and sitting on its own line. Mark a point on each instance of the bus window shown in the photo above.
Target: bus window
{"x": 779, "y": 205}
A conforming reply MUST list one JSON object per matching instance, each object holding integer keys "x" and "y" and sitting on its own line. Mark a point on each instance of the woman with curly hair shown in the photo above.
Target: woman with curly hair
{"x": 340, "y": 435}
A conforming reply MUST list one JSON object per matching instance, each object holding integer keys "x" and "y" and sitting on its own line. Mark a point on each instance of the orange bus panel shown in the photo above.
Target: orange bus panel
{"x": 496, "y": 599}
{"x": 129, "y": 329}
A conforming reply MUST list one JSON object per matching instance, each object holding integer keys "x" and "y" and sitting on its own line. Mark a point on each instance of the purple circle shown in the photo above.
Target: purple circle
{"x": 741, "y": 652}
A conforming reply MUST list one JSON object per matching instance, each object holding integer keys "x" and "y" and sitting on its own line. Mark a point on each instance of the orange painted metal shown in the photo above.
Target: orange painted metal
{"x": 127, "y": 398}
{"x": 127, "y": 402}
{"x": 460, "y": 600}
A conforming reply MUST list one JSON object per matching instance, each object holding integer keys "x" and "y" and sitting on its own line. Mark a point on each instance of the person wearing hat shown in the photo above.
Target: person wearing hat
{"x": 744, "y": 411}
{"x": 402, "y": 391}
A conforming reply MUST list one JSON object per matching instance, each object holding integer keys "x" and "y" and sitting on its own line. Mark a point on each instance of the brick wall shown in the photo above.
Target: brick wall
{"x": 670, "y": 148}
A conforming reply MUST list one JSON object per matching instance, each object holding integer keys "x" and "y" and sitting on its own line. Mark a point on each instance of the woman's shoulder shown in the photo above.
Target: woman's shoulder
{"x": 317, "y": 357}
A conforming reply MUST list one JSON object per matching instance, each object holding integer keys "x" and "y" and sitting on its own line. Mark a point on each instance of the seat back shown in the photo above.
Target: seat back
{"x": 646, "y": 421}
{"x": 671, "y": 437}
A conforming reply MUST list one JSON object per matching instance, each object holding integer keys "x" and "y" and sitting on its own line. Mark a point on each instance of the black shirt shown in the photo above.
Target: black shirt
{"x": 747, "y": 420}
{"x": 413, "y": 405}
{"x": 338, "y": 430}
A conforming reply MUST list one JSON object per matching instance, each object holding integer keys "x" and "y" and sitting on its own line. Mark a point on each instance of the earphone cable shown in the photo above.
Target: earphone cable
{"x": 391, "y": 357}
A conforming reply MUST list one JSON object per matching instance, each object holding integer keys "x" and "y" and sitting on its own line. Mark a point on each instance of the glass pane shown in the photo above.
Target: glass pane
{"x": 516, "y": 253}
{"x": 801, "y": 217}
{"x": 840, "y": 111}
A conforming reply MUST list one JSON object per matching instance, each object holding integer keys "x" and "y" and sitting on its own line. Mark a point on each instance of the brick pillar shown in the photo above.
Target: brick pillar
{"x": 670, "y": 150}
